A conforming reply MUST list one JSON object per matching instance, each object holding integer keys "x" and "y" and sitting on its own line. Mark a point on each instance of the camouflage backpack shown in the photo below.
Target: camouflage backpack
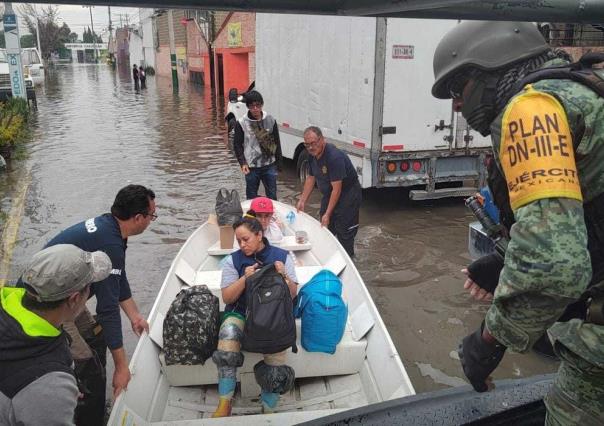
{"x": 191, "y": 327}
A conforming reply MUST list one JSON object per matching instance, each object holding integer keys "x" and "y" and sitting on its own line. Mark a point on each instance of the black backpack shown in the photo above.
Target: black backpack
{"x": 270, "y": 326}
{"x": 191, "y": 327}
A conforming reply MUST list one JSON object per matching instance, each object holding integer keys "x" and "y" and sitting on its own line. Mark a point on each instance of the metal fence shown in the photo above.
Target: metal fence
{"x": 573, "y": 35}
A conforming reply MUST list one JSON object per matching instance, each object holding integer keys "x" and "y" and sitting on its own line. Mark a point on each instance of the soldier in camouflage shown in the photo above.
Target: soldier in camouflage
{"x": 548, "y": 145}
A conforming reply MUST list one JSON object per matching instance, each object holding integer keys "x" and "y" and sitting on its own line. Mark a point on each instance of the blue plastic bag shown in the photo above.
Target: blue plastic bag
{"x": 323, "y": 312}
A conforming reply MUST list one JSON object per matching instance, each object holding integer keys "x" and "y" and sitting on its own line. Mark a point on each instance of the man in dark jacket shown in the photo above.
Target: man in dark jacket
{"x": 332, "y": 171}
{"x": 37, "y": 383}
{"x": 135, "y": 76}
{"x": 131, "y": 213}
{"x": 257, "y": 147}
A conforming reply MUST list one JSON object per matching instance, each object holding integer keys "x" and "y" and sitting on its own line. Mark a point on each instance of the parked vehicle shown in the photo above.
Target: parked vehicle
{"x": 32, "y": 64}
{"x": 5, "y": 86}
{"x": 235, "y": 110}
{"x": 366, "y": 83}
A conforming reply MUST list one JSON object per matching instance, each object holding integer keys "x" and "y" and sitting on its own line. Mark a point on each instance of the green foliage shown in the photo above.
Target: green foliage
{"x": 28, "y": 40}
{"x": 2, "y": 40}
{"x": 149, "y": 70}
{"x": 91, "y": 37}
{"x": 52, "y": 35}
{"x": 13, "y": 116}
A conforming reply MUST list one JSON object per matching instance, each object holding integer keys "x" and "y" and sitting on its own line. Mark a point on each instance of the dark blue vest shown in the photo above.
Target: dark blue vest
{"x": 268, "y": 254}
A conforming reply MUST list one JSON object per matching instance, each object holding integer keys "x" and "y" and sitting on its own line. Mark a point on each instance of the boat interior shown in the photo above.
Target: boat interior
{"x": 364, "y": 369}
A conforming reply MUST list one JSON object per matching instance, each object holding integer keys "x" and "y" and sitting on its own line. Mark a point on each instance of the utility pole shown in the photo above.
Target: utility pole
{"x": 13, "y": 52}
{"x": 172, "y": 52}
{"x": 110, "y": 43}
{"x": 110, "y": 25}
{"x": 38, "y": 37}
{"x": 93, "y": 34}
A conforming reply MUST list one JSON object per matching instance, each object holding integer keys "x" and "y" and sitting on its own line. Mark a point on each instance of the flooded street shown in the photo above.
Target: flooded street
{"x": 93, "y": 134}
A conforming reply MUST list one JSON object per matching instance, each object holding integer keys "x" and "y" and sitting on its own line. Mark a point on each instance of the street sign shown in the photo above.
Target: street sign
{"x": 10, "y": 22}
{"x": 13, "y": 52}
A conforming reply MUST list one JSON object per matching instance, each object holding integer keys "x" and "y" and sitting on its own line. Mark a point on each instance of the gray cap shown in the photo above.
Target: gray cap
{"x": 61, "y": 270}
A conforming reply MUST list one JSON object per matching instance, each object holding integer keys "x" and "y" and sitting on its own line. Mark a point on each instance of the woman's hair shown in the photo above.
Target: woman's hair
{"x": 250, "y": 222}
{"x": 250, "y": 214}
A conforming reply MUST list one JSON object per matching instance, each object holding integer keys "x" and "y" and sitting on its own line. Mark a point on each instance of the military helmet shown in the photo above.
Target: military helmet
{"x": 485, "y": 45}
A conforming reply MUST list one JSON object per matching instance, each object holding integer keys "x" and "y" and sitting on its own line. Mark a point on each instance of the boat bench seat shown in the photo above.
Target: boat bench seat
{"x": 347, "y": 359}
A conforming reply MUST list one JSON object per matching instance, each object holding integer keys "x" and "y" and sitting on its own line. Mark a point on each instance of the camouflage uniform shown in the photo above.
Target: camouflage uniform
{"x": 547, "y": 265}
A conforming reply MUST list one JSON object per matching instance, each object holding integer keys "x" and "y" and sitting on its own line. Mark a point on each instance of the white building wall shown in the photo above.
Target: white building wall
{"x": 146, "y": 24}
{"x": 136, "y": 49}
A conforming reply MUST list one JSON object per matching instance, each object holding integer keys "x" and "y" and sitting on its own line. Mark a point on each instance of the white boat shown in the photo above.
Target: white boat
{"x": 365, "y": 369}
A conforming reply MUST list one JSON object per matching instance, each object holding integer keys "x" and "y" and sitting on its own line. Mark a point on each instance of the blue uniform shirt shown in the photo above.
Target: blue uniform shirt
{"x": 103, "y": 233}
{"x": 334, "y": 165}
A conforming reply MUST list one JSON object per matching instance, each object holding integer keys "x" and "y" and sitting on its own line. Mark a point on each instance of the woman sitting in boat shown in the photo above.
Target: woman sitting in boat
{"x": 272, "y": 374}
{"x": 262, "y": 209}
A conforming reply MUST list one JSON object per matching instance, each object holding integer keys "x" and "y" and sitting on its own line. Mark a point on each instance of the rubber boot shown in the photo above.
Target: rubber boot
{"x": 224, "y": 408}
{"x": 269, "y": 402}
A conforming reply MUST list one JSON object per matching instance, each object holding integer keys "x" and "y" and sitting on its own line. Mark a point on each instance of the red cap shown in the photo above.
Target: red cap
{"x": 262, "y": 205}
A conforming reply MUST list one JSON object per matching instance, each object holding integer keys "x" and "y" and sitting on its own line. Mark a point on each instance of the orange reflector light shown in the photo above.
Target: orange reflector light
{"x": 417, "y": 166}
{"x": 391, "y": 167}
{"x": 404, "y": 166}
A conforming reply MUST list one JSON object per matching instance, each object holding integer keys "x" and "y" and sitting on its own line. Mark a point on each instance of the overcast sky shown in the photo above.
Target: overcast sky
{"x": 78, "y": 18}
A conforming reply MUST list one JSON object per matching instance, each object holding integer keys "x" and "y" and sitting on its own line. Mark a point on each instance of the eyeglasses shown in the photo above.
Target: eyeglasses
{"x": 459, "y": 82}
{"x": 255, "y": 105}
{"x": 456, "y": 87}
{"x": 312, "y": 144}
{"x": 153, "y": 216}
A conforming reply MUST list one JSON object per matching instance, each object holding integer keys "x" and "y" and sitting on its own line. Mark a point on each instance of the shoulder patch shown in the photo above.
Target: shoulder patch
{"x": 536, "y": 150}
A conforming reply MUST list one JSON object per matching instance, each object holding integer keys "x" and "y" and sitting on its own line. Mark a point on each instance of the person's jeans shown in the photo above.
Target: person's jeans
{"x": 268, "y": 176}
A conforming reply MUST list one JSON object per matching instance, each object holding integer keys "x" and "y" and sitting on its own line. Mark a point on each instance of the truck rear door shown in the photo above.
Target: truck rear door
{"x": 413, "y": 120}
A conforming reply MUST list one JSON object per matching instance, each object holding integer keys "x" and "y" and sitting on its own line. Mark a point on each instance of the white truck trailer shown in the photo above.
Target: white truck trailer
{"x": 366, "y": 83}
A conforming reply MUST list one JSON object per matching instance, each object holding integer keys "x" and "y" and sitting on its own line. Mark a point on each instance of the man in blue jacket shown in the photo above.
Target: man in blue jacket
{"x": 335, "y": 176}
{"x": 131, "y": 213}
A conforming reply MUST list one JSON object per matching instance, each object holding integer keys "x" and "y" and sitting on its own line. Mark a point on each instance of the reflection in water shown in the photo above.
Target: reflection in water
{"x": 438, "y": 376}
{"x": 93, "y": 134}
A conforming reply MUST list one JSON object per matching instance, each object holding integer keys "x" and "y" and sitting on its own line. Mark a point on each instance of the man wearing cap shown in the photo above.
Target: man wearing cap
{"x": 131, "y": 213}
{"x": 334, "y": 174}
{"x": 37, "y": 383}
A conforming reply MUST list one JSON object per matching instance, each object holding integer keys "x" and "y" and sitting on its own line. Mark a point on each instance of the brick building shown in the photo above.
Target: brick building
{"x": 234, "y": 52}
{"x": 198, "y": 53}
{"x": 162, "y": 55}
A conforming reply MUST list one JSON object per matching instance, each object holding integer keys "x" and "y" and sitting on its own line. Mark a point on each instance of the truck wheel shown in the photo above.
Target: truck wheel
{"x": 303, "y": 166}
{"x": 231, "y": 133}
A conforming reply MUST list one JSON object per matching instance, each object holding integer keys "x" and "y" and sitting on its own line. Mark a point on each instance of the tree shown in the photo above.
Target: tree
{"x": 2, "y": 40}
{"x": 91, "y": 37}
{"x": 28, "y": 40}
{"x": 52, "y": 36}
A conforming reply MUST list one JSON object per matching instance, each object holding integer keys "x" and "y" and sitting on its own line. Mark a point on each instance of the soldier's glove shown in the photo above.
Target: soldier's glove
{"x": 485, "y": 271}
{"x": 479, "y": 358}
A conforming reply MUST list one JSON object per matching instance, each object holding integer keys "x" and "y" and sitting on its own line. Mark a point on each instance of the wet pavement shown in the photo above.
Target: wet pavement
{"x": 93, "y": 134}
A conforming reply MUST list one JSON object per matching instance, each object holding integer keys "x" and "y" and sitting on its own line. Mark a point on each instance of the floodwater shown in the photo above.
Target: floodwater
{"x": 93, "y": 134}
